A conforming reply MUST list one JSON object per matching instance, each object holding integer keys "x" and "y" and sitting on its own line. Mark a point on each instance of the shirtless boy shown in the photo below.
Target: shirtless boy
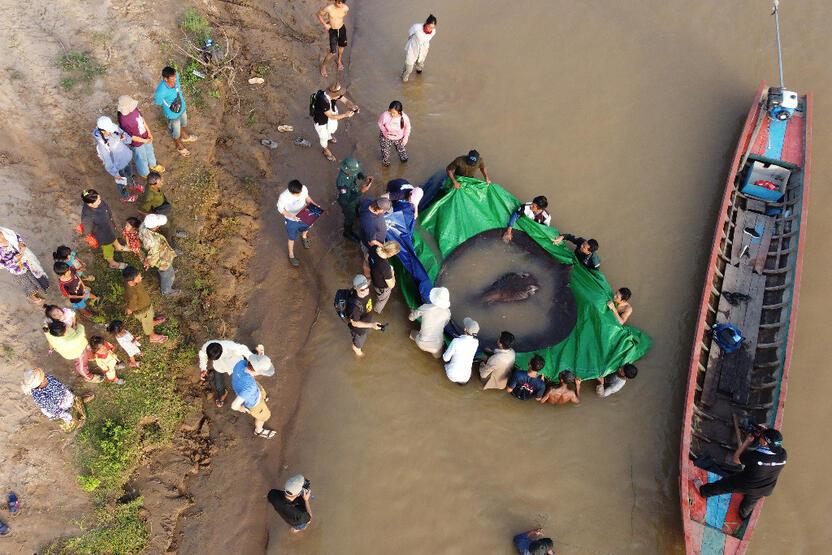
{"x": 332, "y": 18}
{"x": 620, "y": 305}
{"x": 563, "y": 394}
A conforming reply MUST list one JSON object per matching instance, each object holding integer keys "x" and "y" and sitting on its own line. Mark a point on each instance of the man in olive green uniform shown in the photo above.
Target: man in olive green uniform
{"x": 351, "y": 184}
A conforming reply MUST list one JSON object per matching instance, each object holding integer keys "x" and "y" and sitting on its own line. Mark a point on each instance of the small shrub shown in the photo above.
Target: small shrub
{"x": 195, "y": 25}
{"x": 116, "y": 530}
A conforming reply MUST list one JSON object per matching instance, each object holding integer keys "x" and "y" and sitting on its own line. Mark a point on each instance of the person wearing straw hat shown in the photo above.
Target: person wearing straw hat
{"x": 382, "y": 274}
{"x": 54, "y": 399}
{"x": 326, "y": 117}
{"x": 251, "y": 397}
{"x": 130, "y": 119}
{"x": 293, "y": 502}
{"x": 459, "y": 356}
{"x": 160, "y": 255}
{"x": 435, "y": 315}
{"x": 111, "y": 145}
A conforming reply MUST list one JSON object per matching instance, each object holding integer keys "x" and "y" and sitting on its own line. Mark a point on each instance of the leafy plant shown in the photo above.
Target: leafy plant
{"x": 80, "y": 68}
{"x": 195, "y": 25}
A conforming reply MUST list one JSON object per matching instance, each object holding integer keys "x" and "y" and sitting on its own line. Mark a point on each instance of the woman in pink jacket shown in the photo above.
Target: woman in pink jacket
{"x": 394, "y": 131}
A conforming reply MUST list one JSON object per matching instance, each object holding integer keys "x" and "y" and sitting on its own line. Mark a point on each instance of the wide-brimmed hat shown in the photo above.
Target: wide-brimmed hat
{"x": 360, "y": 281}
{"x": 440, "y": 296}
{"x": 126, "y": 104}
{"x": 106, "y": 124}
{"x": 336, "y": 89}
{"x": 471, "y": 326}
{"x": 294, "y": 485}
{"x": 389, "y": 249}
{"x": 152, "y": 221}
{"x": 32, "y": 377}
{"x": 262, "y": 365}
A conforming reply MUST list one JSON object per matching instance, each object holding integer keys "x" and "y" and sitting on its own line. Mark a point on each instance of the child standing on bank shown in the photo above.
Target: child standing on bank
{"x": 73, "y": 288}
{"x": 127, "y": 341}
{"x": 66, "y": 254}
{"x": 106, "y": 359}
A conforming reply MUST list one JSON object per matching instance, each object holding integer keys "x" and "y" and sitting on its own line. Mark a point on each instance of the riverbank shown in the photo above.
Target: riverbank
{"x": 143, "y": 442}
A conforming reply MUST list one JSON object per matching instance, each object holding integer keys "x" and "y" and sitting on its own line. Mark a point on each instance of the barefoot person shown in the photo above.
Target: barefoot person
{"x": 326, "y": 117}
{"x": 620, "y": 305}
{"x": 563, "y": 393}
{"x": 459, "y": 356}
{"x": 169, "y": 96}
{"x": 251, "y": 397}
{"x": 586, "y": 250}
{"x": 496, "y": 370}
{"x": 612, "y": 384}
{"x": 527, "y": 385}
{"x": 23, "y": 265}
{"x": 332, "y": 18}
{"x": 382, "y": 274}
{"x": 417, "y": 46}
{"x": 467, "y": 166}
{"x": 360, "y": 313}
{"x": 290, "y": 203}
{"x": 533, "y": 543}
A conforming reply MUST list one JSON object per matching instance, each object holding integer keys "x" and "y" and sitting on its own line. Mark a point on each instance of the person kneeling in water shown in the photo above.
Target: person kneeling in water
{"x": 536, "y": 210}
{"x": 563, "y": 393}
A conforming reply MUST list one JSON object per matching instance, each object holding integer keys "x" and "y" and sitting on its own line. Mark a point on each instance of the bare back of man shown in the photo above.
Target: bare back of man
{"x": 562, "y": 395}
{"x": 332, "y": 17}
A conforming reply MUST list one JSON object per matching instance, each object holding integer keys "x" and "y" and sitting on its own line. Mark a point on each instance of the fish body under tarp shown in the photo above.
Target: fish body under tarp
{"x": 511, "y": 287}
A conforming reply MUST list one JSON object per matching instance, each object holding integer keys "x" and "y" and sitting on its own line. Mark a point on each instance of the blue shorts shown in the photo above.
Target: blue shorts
{"x": 82, "y": 303}
{"x": 293, "y": 228}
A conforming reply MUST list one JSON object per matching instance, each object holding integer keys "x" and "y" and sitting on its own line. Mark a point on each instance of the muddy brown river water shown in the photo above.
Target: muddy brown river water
{"x": 625, "y": 115}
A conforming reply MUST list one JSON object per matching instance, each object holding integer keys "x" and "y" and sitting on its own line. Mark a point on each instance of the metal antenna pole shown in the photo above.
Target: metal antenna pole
{"x": 776, "y": 12}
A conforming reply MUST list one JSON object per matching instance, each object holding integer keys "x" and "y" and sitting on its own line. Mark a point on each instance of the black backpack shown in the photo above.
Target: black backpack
{"x": 342, "y": 298}
{"x": 313, "y": 100}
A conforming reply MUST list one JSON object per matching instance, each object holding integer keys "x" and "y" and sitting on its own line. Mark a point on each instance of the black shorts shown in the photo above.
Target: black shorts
{"x": 337, "y": 37}
{"x": 359, "y": 336}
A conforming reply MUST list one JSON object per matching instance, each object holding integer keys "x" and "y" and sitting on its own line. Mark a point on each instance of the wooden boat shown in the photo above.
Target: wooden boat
{"x": 757, "y": 251}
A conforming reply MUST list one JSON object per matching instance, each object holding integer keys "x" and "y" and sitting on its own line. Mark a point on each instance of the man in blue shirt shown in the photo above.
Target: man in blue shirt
{"x": 533, "y": 543}
{"x": 169, "y": 96}
{"x": 525, "y": 385}
{"x": 251, "y": 397}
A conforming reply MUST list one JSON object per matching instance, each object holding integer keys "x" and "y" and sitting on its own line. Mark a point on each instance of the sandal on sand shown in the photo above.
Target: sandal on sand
{"x": 265, "y": 433}
{"x": 159, "y": 320}
{"x": 87, "y": 397}
{"x": 5, "y": 531}
{"x": 333, "y": 140}
{"x": 131, "y": 198}
{"x": 184, "y": 152}
{"x": 159, "y": 339}
{"x": 268, "y": 143}
{"x": 307, "y": 243}
{"x": 256, "y": 81}
{"x": 158, "y": 168}
{"x": 330, "y": 157}
{"x": 285, "y": 128}
{"x": 13, "y": 504}
{"x": 191, "y": 139}
{"x": 300, "y": 141}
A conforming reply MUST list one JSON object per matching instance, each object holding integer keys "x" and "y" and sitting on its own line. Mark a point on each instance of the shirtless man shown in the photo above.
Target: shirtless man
{"x": 563, "y": 394}
{"x": 620, "y": 305}
{"x": 332, "y": 18}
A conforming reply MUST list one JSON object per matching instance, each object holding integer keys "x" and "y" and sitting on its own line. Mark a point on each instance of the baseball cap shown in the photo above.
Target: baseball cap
{"x": 294, "y": 485}
{"x": 360, "y": 282}
{"x": 473, "y": 157}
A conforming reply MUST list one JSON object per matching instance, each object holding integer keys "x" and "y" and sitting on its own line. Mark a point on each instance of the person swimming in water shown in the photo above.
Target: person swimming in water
{"x": 568, "y": 390}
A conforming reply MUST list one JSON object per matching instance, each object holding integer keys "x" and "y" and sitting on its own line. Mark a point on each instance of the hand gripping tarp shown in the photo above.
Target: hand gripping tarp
{"x": 598, "y": 345}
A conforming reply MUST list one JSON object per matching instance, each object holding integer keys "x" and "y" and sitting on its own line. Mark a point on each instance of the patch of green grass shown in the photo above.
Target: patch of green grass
{"x": 195, "y": 25}
{"x": 251, "y": 118}
{"x": 262, "y": 70}
{"x": 79, "y": 68}
{"x": 118, "y": 530}
{"x": 214, "y": 94}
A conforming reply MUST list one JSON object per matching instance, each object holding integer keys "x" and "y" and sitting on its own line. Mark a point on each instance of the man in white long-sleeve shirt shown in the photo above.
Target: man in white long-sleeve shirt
{"x": 435, "y": 315}
{"x": 418, "y": 44}
{"x": 459, "y": 356}
{"x": 224, "y": 354}
{"x": 613, "y": 383}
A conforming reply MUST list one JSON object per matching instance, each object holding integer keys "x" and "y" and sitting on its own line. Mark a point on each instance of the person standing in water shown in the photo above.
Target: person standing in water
{"x": 497, "y": 369}
{"x": 563, "y": 394}
{"x": 394, "y": 132}
{"x": 332, "y": 18}
{"x": 459, "y": 356}
{"x": 351, "y": 184}
{"x": 435, "y": 315}
{"x": 620, "y": 305}
{"x": 466, "y": 166}
{"x": 417, "y": 46}
{"x": 536, "y": 210}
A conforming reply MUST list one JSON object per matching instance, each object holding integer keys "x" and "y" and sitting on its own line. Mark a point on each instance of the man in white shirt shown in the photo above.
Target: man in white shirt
{"x": 224, "y": 354}
{"x": 290, "y": 203}
{"x": 613, "y": 383}
{"x": 435, "y": 316}
{"x": 459, "y": 356}
{"x": 416, "y": 48}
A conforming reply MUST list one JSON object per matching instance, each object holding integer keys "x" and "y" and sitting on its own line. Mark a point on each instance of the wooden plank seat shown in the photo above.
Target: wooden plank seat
{"x": 730, "y": 374}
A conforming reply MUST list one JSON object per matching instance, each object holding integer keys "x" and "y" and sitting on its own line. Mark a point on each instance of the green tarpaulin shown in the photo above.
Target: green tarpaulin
{"x": 597, "y": 346}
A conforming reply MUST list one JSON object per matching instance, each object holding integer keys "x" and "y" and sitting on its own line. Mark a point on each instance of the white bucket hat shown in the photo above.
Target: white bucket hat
{"x": 471, "y": 326}
{"x": 440, "y": 296}
{"x": 262, "y": 365}
{"x": 106, "y": 124}
{"x": 152, "y": 221}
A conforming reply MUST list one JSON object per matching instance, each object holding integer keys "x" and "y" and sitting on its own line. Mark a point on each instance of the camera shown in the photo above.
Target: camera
{"x": 306, "y": 484}
{"x": 355, "y": 110}
{"x": 383, "y": 327}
